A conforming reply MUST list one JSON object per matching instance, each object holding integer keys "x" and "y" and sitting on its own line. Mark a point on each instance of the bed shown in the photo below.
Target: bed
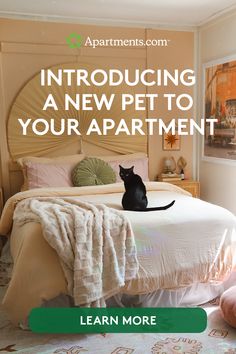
{"x": 186, "y": 254}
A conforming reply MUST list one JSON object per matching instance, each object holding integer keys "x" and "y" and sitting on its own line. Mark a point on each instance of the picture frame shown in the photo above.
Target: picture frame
{"x": 170, "y": 142}
{"x": 219, "y": 102}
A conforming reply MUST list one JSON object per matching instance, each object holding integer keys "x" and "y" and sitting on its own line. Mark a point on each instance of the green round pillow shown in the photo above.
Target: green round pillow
{"x": 92, "y": 171}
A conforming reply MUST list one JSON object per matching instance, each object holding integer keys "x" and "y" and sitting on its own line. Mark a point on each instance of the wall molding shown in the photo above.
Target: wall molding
{"x": 97, "y": 22}
{"x": 60, "y": 49}
{"x": 217, "y": 18}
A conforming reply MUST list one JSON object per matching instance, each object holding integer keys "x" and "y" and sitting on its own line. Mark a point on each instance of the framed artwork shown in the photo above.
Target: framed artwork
{"x": 220, "y": 103}
{"x": 170, "y": 142}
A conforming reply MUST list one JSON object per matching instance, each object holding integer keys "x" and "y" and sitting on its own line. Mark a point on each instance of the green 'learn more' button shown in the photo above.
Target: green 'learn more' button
{"x": 118, "y": 320}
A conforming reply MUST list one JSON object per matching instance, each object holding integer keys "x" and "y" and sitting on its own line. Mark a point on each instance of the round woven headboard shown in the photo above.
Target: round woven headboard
{"x": 29, "y": 104}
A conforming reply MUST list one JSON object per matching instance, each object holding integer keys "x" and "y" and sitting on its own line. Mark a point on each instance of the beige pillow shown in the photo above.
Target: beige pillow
{"x": 23, "y": 161}
{"x": 139, "y": 160}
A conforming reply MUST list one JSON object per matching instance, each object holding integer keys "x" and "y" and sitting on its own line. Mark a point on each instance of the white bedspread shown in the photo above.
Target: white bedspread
{"x": 192, "y": 242}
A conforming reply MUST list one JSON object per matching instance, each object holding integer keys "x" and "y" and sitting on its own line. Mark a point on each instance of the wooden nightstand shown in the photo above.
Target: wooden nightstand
{"x": 190, "y": 186}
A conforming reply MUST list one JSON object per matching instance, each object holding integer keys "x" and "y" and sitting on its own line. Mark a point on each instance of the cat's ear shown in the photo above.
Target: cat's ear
{"x": 132, "y": 168}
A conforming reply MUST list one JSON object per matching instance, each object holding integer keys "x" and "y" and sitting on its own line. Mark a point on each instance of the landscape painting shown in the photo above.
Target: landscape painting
{"x": 220, "y": 104}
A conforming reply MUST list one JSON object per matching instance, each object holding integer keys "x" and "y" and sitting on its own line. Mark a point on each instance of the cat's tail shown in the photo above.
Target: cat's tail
{"x": 164, "y": 207}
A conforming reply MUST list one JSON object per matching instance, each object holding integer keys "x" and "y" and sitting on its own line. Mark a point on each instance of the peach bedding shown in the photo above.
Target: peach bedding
{"x": 191, "y": 242}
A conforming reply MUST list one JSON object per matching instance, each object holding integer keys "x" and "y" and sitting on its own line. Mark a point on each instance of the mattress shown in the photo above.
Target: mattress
{"x": 192, "y": 242}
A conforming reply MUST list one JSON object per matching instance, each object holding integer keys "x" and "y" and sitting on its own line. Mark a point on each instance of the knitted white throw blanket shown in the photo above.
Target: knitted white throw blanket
{"x": 95, "y": 245}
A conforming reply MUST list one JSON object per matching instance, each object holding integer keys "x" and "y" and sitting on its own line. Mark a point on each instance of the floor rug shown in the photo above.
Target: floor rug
{"x": 218, "y": 338}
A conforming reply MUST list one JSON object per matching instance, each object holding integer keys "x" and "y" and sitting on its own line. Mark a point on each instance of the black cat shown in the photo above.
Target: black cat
{"x": 135, "y": 196}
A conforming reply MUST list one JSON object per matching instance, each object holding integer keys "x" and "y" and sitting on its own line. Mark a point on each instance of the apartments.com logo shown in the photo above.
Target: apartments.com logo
{"x": 75, "y": 40}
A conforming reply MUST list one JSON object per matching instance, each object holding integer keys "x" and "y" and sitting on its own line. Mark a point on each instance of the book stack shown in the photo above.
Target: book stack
{"x": 169, "y": 177}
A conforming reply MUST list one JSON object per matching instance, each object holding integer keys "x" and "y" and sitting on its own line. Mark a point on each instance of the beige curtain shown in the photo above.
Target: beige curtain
{"x": 30, "y": 101}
